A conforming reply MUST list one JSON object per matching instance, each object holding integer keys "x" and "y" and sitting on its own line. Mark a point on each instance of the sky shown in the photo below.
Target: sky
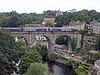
{"x": 38, "y": 6}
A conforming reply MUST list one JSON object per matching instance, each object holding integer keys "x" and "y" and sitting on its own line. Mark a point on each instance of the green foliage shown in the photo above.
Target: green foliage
{"x": 82, "y": 69}
{"x": 82, "y": 16}
{"x": 76, "y": 64}
{"x": 73, "y": 43}
{"x": 85, "y": 66}
{"x": 52, "y": 57}
{"x": 25, "y": 20}
{"x": 62, "y": 20}
{"x": 11, "y": 20}
{"x": 22, "y": 47}
{"x": 97, "y": 44}
{"x": 29, "y": 57}
{"x": 6, "y": 68}
{"x": 9, "y": 51}
{"x": 14, "y": 19}
{"x": 95, "y": 56}
{"x": 21, "y": 42}
{"x": 94, "y": 15}
{"x": 37, "y": 69}
{"x": 49, "y": 23}
{"x": 68, "y": 62}
{"x": 62, "y": 40}
{"x": 98, "y": 20}
{"x": 88, "y": 47}
{"x": 8, "y": 46}
{"x": 50, "y": 73}
{"x": 2, "y": 57}
{"x": 80, "y": 51}
{"x": 42, "y": 50}
{"x": 83, "y": 33}
{"x": 49, "y": 13}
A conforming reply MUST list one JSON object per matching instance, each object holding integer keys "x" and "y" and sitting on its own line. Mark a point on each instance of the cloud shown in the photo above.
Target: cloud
{"x": 41, "y": 5}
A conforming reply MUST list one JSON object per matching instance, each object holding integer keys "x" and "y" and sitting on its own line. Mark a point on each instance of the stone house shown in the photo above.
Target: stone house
{"x": 96, "y": 27}
{"x": 48, "y": 21}
{"x": 77, "y": 25}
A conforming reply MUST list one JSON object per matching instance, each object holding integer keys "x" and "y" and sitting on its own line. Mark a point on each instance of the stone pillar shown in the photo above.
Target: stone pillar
{"x": 78, "y": 41}
{"x": 51, "y": 48}
{"x": 69, "y": 44}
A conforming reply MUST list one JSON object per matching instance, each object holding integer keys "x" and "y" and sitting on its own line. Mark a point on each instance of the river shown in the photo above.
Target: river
{"x": 60, "y": 69}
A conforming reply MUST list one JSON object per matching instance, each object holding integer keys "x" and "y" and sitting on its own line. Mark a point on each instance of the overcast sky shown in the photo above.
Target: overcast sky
{"x": 38, "y": 6}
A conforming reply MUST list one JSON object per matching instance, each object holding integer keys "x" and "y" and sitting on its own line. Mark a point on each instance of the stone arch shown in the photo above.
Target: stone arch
{"x": 68, "y": 38}
{"x": 48, "y": 41}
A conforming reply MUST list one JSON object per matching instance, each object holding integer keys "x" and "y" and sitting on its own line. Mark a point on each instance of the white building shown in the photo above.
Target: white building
{"x": 97, "y": 64}
{"x": 41, "y": 38}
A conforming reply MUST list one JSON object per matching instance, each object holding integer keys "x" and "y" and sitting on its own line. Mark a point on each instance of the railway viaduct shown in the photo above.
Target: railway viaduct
{"x": 30, "y": 37}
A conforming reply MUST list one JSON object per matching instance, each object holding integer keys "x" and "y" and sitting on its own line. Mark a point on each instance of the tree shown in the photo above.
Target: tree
{"x": 37, "y": 69}
{"x": 83, "y": 16}
{"x": 21, "y": 42}
{"x": 4, "y": 21}
{"x": 49, "y": 13}
{"x": 88, "y": 47}
{"x": 73, "y": 43}
{"x": 98, "y": 20}
{"x": 80, "y": 51}
{"x": 93, "y": 15}
{"x": 9, "y": 52}
{"x": 30, "y": 56}
{"x": 62, "y": 20}
{"x": 52, "y": 57}
{"x": 96, "y": 56}
{"x": 8, "y": 46}
{"x": 62, "y": 40}
{"x": 6, "y": 68}
{"x": 49, "y": 23}
{"x": 97, "y": 44}
{"x": 82, "y": 32}
{"x": 25, "y": 20}
{"x": 43, "y": 51}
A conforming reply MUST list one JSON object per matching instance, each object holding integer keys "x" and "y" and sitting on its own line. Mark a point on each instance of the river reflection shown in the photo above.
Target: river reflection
{"x": 59, "y": 69}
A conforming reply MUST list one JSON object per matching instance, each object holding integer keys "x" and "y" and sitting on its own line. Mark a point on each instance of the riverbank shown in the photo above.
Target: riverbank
{"x": 60, "y": 69}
